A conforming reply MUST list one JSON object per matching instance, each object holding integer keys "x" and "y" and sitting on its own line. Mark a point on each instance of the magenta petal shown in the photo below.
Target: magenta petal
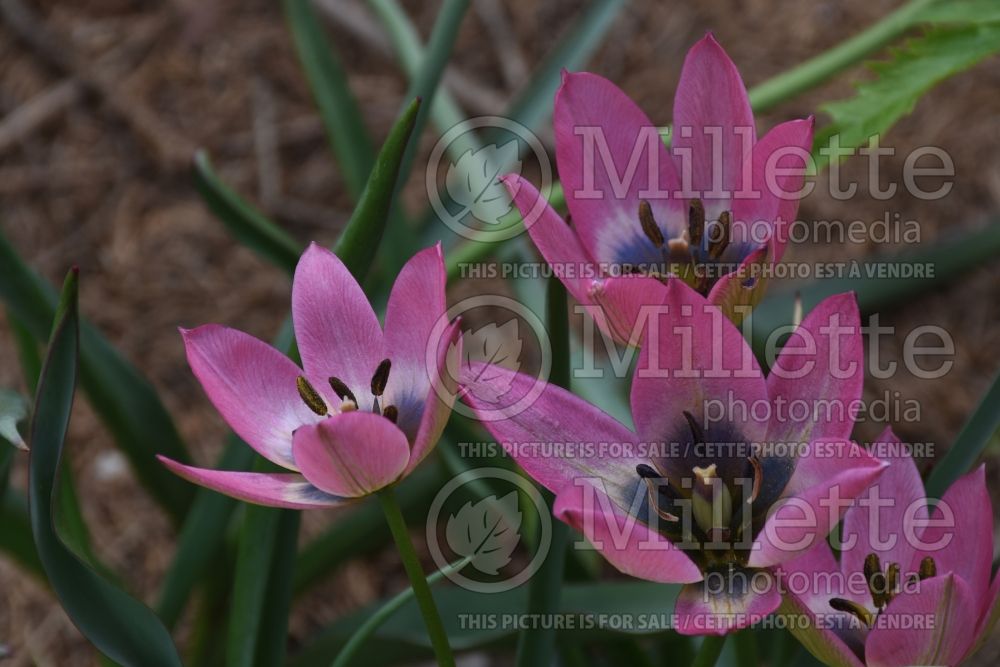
{"x": 440, "y": 396}
{"x": 622, "y": 304}
{"x": 820, "y": 369}
{"x": 555, "y": 239}
{"x": 894, "y": 501}
{"x": 287, "y": 490}
{"x": 737, "y": 292}
{"x": 830, "y": 472}
{"x": 711, "y": 94}
{"x": 252, "y": 385}
{"x": 623, "y": 540}
{"x": 717, "y": 606}
{"x": 604, "y": 199}
{"x": 935, "y": 626}
{"x": 966, "y": 546}
{"x": 989, "y": 618}
{"x": 335, "y": 327}
{"x": 415, "y": 314}
{"x": 352, "y": 454}
{"x": 597, "y": 446}
{"x": 699, "y": 361}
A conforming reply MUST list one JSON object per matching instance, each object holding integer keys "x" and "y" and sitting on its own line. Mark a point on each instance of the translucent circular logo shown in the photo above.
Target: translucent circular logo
{"x": 486, "y": 531}
{"x": 476, "y": 204}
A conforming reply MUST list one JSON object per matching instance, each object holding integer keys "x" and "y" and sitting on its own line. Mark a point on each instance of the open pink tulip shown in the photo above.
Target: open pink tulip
{"x": 712, "y": 210}
{"x": 365, "y": 410}
{"x": 711, "y": 487}
{"x": 912, "y": 587}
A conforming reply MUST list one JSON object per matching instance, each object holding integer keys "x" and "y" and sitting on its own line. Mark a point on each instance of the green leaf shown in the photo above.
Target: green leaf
{"x": 961, "y": 11}
{"x": 13, "y": 410}
{"x": 122, "y": 397}
{"x": 273, "y": 634}
{"x": 341, "y": 115}
{"x": 250, "y": 227}
{"x": 915, "y": 68}
{"x": 120, "y": 626}
{"x": 975, "y": 435}
{"x": 15, "y": 537}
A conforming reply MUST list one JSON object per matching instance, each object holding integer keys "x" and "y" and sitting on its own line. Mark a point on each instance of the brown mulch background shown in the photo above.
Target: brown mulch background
{"x": 102, "y": 105}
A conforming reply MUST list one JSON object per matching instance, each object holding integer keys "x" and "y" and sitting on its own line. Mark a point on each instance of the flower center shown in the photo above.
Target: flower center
{"x": 314, "y": 401}
{"x": 883, "y": 586}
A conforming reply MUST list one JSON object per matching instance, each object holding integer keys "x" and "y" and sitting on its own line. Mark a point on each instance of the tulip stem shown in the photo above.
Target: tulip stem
{"x": 711, "y": 649}
{"x": 421, "y": 590}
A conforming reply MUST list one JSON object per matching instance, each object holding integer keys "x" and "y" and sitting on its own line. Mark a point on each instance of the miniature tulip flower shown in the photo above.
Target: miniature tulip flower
{"x": 364, "y": 409}
{"x": 710, "y": 487}
{"x": 912, "y": 586}
{"x": 712, "y": 212}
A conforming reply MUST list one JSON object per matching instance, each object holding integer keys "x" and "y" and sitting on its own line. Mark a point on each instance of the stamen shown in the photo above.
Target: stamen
{"x": 758, "y": 477}
{"x": 311, "y": 397}
{"x": 381, "y": 377}
{"x": 696, "y": 432}
{"x": 876, "y": 580}
{"x": 891, "y": 581}
{"x": 717, "y": 246}
{"x": 348, "y": 406}
{"x": 654, "y": 482}
{"x": 649, "y": 226}
{"x": 705, "y": 475}
{"x": 696, "y": 222}
{"x": 391, "y": 413}
{"x": 342, "y": 390}
{"x": 928, "y": 568}
{"x": 854, "y": 609}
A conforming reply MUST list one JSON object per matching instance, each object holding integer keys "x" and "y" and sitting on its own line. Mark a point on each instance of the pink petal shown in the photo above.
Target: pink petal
{"x": 724, "y": 603}
{"x": 736, "y": 293}
{"x": 604, "y": 199}
{"x": 555, "y": 239}
{"x": 286, "y": 490}
{"x": 623, "y": 540}
{"x": 559, "y": 437}
{"x": 700, "y": 362}
{"x": 788, "y": 143}
{"x": 966, "y": 546}
{"x": 622, "y": 304}
{"x": 711, "y": 94}
{"x": 440, "y": 397}
{"x": 351, "y": 454}
{"x": 335, "y": 327}
{"x": 830, "y": 471}
{"x": 935, "y": 626}
{"x": 894, "y": 500}
{"x": 252, "y": 385}
{"x": 415, "y": 314}
{"x": 820, "y": 369}
{"x": 989, "y": 618}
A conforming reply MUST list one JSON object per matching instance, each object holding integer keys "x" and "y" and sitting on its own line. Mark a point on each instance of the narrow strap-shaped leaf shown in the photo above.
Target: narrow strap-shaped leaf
{"x": 15, "y": 537}
{"x": 341, "y": 115}
{"x": 978, "y": 431}
{"x": 251, "y": 227}
{"x": 278, "y": 597}
{"x": 27, "y": 351}
{"x": 126, "y": 402}
{"x": 120, "y": 626}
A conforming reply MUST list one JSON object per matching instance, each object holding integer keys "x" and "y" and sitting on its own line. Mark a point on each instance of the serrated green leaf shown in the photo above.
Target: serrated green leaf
{"x": 120, "y": 626}
{"x": 961, "y": 11}
{"x": 915, "y": 68}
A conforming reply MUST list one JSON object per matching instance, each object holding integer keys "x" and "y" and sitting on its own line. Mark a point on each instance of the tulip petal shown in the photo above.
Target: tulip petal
{"x": 252, "y": 385}
{"x": 989, "y": 618}
{"x": 603, "y": 199}
{"x": 737, "y": 292}
{"x": 895, "y": 500}
{"x": 555, "y": 239}
{"x": 966, "y": 546}
{"x": 352, "y": 454}
{"x": 820, "y": 367}
{"x": 828, "y": 473}
{"x": 440, "y": 397}
{"x": 416, "y": 310}
{"x": 287, "y": 490}
{"x": 934, "y": 626}
{"x": 559, "y": 437}
{"x": 711, "y": 94}
{"x": 336, "y": 329}
{"x": 622, "y": 304}
{"x": 725, "y": 601}
{"x": 625, "y": 541}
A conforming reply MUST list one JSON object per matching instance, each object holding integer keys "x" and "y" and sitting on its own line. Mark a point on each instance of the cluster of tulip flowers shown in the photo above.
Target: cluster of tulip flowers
{"x": 369, "y": 403}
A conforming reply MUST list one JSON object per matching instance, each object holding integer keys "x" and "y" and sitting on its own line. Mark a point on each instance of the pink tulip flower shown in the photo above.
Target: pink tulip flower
{"x": 365, "y": 408}
{"x": 714, "y": 210}
{"x": 912, "y": 586}
{"x": 709, "y": 487}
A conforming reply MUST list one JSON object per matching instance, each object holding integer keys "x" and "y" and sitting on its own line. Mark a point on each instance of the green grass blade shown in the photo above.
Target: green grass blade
{"x": 978, "y": 431}
{"x": 120, "y": 626}
{"x": 15, "y": 538}
{"x": 341, "y": 115}
{"x": 250, "y": 227}
{"x": 278, "y": 597}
